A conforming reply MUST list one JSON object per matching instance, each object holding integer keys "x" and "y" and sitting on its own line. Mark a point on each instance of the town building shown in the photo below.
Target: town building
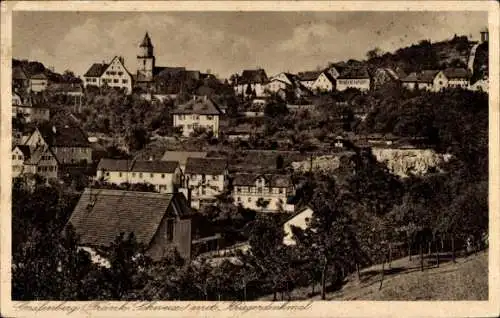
{"x": 204, "y": 180}
{"x": 481, "y": 85}
{"x": 20, "y": 80}
{"x": 323, "y": 83}
{"x": 251, "y": 83}
{"x": 113, "y": 74}
{"x": 383, "y": 75}
{"x": 299, "y": 220}
{"x": 38, "y": 82}
{"x": 38, "y": 160}
{"x": 436, "y": 80}
{"x": 22, "y": 107}
{"x": 182, "y": 156}
{"x": 197, "y": 113}
{"x": 69, "y": 144}
{"x": 165, "y": 176}
{"x": 457, "y": 77}
{"x": 159, "y": 221}
{"x": 354, "y": 77}
{"x": 307, "y": 79}
{"x": 263, "y": 192}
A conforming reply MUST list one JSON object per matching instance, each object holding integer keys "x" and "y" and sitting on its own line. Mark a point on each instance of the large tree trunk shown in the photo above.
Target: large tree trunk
{"x": 323, "y": 279}
{"x": 453, "y": 248}
{"x": 275, "y": 296}
{"x": 358, "y": 274}
{"x": 421, "y": 257}
{"x": 437, "y": 253}
{"x": 409, "y": 250}
{"x": 383, "y": 274}
{"x": 390, "y": 255}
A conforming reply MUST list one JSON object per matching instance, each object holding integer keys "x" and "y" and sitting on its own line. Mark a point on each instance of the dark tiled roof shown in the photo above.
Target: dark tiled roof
{"x": 426, "y": 76}
{"x": 200, "y": 106}
{"x": 253, "y": 77}
{"x": 96, "y": 70}
{"x": 146, "y": 42}
{"x": 354, "y": 72}
{"x": 273, "y": 180}
{"x": 168, "y": 70}
{"x": 101, "y": 214}
{"x": 155, "y": 166}
{"x": 114, "y": 164}
{"x": 456, "y": 73}
{"x": 182, "y": 156}
{"x": 38, "y": 76}
{"x": 309, "y": 76}
{"x": 25, "y": 150}
{"x": 65, "y": 87}
{"x": 65, "y": 136}
{"x": 211, "y": 166}
{"x": 18, "y": 73}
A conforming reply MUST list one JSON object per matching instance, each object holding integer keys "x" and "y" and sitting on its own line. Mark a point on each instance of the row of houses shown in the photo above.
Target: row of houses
{"x": 49, "y": 149}
{"x": 202, "y": 179}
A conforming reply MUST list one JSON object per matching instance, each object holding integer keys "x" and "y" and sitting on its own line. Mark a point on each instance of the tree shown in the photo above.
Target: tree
{"x": 374, "y": 53}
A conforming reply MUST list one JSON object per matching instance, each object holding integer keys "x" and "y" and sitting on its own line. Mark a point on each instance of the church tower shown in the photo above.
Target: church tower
{"x": 145, "y": 60}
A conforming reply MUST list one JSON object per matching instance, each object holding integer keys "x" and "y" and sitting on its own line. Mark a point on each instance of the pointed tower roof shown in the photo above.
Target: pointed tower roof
{"x": 146, "y": 42}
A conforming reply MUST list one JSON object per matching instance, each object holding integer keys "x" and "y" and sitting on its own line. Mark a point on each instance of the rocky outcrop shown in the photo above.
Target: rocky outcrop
{"x": 405, "y": 162}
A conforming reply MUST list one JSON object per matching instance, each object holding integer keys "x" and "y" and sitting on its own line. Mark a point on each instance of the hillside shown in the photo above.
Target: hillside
{"x": 426, "y": 55}
{"x": 467, "y": 279}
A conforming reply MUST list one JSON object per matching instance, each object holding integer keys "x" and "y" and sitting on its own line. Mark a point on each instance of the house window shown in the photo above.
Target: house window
{"x": 140, "y": 174}
{"x": 281, "y": 191}
{"x": 120, "y": 73}
{"x": 210, "y": 117}
{"x": 163, "y": 188}
{"x": 133, "y": 174}
{"x": 120, "y": 174}
{"x": 13, "y": 157}
{"x": 115, "y": 80}
{"x": 107, "y": 174}
{"x": 163, "y": 176}
{"x": 249, "y": 199}
{"x": 238, "y": 189}
{"x": 259, "y": 190}
{"x": 238, "y": 199}
{"x": 124, "y": 81}
{"x": 215, "y": 178}
{"x": 203, "y": 191}
{"x": 170, "y": 230}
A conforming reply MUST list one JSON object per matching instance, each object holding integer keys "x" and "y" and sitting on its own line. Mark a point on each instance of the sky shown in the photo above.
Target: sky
{"x": 228, "y": 42}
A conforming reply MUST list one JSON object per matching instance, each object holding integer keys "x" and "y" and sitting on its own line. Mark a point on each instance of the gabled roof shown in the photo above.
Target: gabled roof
{"x": 38, "y": 76}
{"x": 36, "y": 155}
{"x": 211, "y": 166}
{"x": 156, "y": 166}
{"x": 354, "y": 73}
{"x": 101, "y": 215}
{"x": 253, "y": 77}
{"x": 146, "y": 42}
{"x": 425, "y": 76}
{"x": 168, "y": 70}
{"x": 309, "y": 76}
{"x": 18, "y": 73}
{"x": 182, "y": 156}
{"x": 64, "y": 136}
{"x": 272, "y": 180}
{"x": 200, "y": 106}
{"x": 452, "y": 72}
{"x": 114, "y": 164}
{"x": 24, "y": 149}
{"x": 96, "y": 70}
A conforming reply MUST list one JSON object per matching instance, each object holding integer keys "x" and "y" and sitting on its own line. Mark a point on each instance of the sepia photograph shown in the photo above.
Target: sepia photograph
{"x": 245, "y": 157}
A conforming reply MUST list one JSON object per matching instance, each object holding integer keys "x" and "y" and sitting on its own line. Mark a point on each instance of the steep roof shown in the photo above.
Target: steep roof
{"x": 354, "y": 73}
{"x": 253, "y": 77}
{"x": 146, "y": 42}
{"x": 211, "y": 166}
{"x": 101, "y": 215}
{"x": 38, "y": 76}
{"x": 25, "y": 150}
{"x": 182, "y": 156}
{"x": 309, "y": 76}
{"x": 96, "y": 70}
{"x": 425, "y": 76}
{"x": 155, "y": 166}
{"x": 272, "y": 180}
{"x": 114, "y": 164}
{"x": 36, "y": 155}
{"x": 64, "y": 136}
{"x": 200, "y": 106}
{"x": 18, "y": 73}
{"x": 452, "y": 72}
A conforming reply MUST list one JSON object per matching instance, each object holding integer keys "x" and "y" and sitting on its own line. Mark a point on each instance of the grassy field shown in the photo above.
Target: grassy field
{"x": 467, "y": 279}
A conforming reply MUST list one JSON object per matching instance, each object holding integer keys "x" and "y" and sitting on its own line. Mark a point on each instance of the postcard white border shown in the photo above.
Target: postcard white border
{"x": 318, "y": 308}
